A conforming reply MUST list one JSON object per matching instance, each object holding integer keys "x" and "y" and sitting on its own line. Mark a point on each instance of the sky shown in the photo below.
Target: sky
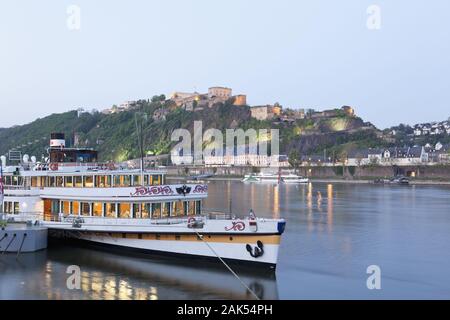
{"x": 303, "y": 54}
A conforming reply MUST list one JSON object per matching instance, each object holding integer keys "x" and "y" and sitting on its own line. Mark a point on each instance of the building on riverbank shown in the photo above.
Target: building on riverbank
{"x": 388, "y": 156}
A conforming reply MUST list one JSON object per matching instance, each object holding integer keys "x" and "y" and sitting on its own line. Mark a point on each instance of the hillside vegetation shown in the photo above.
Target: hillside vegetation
{"x": 114, "y": 135}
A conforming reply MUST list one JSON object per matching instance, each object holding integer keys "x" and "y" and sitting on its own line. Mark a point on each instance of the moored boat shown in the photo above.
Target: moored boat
{"x": 395, "y": 180}
{"x": 77, "y": 197}
{"x": 288, "y": 178}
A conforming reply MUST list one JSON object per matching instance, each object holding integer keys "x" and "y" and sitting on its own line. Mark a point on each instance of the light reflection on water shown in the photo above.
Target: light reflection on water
{"x": 105, "y": 275}
{"x": 333, "y": 232}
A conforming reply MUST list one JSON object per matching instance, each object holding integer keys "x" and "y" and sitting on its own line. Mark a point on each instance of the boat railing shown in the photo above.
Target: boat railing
{"x": 17, "y": 187}
{"x": 217, "y": 215}
{"x": 211, "y": 215}
{"x": 23, "y": 216}
{"x": 119, "y": 221}
{"x": 85, "y": 165}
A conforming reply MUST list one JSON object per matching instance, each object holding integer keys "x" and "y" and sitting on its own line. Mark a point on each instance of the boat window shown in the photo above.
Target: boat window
{"x": 136, "y": 211}
{"x": 26, "y": 181}
{"x": 103, "y": 181}
{"x": 99, "y": 181}
{"x": 16, "y": 208}
{"x": 76, "y": 208}
{"x": 146, "y": 180}
{"x": 156, "y": 210}
{"x": 88, "y": 181}
{"x": 78, "y": 181}
{"x": 178, "y": 208}
{"x": 126, "y": 181}
{"x": 156, "y": 179}
{"x": 17, "y": 181}
{"x": 65, "y": 207}
{"x": 108, "y": 182}
{"x": 7, "y": 180}
{"x": 44, "y": 181}
{"x": 97, "y": 209}
{"x": 198, "y": 207}
{"x": 7, "y": 207}
{"x": 145, "y": 210}
{"x": 116, "y": 181}
{"x": 167, "y": 206}
{"x": 55, "y": 207}
{"x": 11, "y": 207}
{"x": 68, "y": 181}
{"x": 34, "y": 181}
{"x": 137, "y": 180}
{"x": 124, "y": 210}
{"x": 52, "y": 182}
{"x": 122, "y": 181}
{"x": 59, "y": 181}
{"x": 110, "y": 210}
{"x": 191, "y": 208}
{"x": 85, "y": 209}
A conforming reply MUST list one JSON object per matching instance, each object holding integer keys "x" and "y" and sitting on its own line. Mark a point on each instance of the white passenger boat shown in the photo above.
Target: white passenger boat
{"x": 289, "y": 178}
{"x": 75, "y": 196}
{"x": 293, "y": 178}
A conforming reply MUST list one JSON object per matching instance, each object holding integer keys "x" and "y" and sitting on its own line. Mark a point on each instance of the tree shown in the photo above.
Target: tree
{"x": 294, "y": 159}
{"x": 343, "y": 157}
{"x": 159, "y": 98}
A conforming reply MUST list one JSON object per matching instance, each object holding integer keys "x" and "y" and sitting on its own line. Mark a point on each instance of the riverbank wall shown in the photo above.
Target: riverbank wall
{"x": 422, "y": 172}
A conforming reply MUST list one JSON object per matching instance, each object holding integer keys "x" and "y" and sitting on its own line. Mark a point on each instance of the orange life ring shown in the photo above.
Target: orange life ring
{"x": 54, "y": 166}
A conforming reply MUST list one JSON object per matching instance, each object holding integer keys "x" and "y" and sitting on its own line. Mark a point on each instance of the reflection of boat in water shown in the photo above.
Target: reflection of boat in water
{"x": 288, "y": 178}
{"x": 106, "y": 275}
{"x": 395, "y": 180}
{"x": 172, "y": 279}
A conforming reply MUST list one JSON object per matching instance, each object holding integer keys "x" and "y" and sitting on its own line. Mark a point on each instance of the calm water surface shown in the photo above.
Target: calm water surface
{"x": 334, "y": 232}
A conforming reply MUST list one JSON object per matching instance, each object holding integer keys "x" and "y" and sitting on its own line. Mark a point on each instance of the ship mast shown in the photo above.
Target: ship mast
{"x": 140, "y": 135}
{"x": 2, "y": 192}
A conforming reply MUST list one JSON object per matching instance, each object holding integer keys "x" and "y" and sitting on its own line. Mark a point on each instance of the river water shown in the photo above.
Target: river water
{"x": 334, "y": 233}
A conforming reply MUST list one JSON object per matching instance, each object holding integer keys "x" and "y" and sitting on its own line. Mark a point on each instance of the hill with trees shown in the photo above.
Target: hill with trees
{"x": 114, "y": 135}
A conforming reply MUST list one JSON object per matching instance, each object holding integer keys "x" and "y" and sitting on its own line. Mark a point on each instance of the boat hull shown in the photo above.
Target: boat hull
{"x": 232, "y": 248}
{"x": 275, "y": 179}
{"x": 297, "y": 181}
{"x": 183, "y": 258}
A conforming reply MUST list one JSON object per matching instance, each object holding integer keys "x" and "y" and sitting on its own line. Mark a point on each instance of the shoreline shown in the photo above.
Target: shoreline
{"x": 324, "y": 180}
{"x": 366, "y": 181}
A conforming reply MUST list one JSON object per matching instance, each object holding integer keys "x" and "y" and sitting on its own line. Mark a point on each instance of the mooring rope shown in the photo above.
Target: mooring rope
{"x": 226, "y": 265}
{"x": 20, "y": 248}
{"x": 14, "y": 236}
